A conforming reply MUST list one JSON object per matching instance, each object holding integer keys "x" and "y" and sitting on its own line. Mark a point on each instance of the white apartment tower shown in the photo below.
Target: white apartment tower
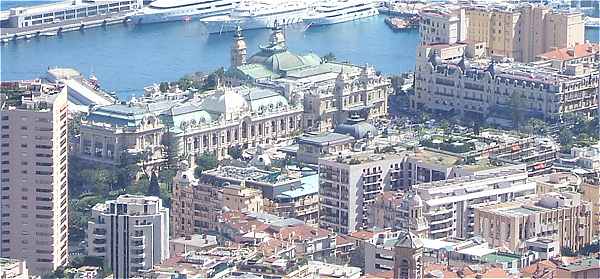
{"x": 348, "y": 185}
{"x": 131, "y": 233}
{"x": 33, "y": 187}
{"x": 443, "y": 26}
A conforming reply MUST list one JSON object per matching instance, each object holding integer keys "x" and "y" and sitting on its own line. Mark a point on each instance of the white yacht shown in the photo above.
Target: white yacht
{"x": 257, "y": 14}
{"x": 184, "y": 10}
{"x": 337, "y": 11}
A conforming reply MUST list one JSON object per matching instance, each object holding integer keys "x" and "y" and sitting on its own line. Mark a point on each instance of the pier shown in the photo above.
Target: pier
{"x": 56, "y": 28}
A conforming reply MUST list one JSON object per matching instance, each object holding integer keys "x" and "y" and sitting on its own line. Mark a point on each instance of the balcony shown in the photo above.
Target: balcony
{"x": 139, "y": 256}
{"x": 138, "y": 244}
{"x": 442, "y": 230}
{"x": 441, "y": 221}
{"x": 99, "y": 236}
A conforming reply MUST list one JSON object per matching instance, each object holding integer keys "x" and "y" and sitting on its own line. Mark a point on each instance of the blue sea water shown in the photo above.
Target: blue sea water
{"x": 126, "y": 58}
{"x": 5, "y": 5}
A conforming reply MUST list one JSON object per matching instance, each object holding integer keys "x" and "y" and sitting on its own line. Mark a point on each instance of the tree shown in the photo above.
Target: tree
{"x": 163, "y": 86}
{"x": 139, "y": 187}
{"x": 214, "y": 78}
{"x": 154, "y": 188}
{"x": 329, "y": 57}
{"x": 515, "y": 103}
{"x": 235, "y": 152}
{"x": 206, "y": 161}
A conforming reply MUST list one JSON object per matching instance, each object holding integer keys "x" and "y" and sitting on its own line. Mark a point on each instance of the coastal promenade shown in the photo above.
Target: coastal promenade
{"x": 51, "y": 29}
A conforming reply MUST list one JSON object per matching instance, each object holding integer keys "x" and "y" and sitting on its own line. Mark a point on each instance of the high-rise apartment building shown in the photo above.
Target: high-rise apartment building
{"x": 131, "y": 233}
{"x": 524, "y": 31}
{"x": 34, "y": 173}
{"x": 347, "y": 185}
{"x": 350, "y": 183}
{"x": 443, "y": 26}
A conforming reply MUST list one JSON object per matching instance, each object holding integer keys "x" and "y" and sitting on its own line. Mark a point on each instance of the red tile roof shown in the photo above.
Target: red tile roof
{"x": 364, "y": 235}
{"x": 578, "y": 51}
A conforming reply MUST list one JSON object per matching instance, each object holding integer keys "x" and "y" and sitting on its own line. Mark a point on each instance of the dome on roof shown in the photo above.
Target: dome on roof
{"x": 492, "y": 68}
{"x": 464, "y": 64}
{"x": 409, "y": 240}
{"x": 435, "y": 59}
{"x": 357, "y": 128}
{"x": 226, "y": 102}
{"x": 284, "y": 61}
{"x": 414, "y": 200}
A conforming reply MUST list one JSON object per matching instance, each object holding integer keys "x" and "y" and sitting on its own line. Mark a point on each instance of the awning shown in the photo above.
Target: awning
{"x": 477, "y": 251}
{"x": 436, "y": 244}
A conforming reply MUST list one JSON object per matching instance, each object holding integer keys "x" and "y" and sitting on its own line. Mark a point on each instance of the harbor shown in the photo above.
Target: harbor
{"x": 53, "y": 18}
{"x": 127, "y": 57}
{"x": 53, "y": 29}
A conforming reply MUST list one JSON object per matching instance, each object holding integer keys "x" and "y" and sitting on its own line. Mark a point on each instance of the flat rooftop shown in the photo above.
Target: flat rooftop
{"x": 433, "y": 157}
{"x": 363, "y": 157}
{"x": 250, "y": 174}
{"x": 500, "y": 258}
{"x": 324, "y": 138}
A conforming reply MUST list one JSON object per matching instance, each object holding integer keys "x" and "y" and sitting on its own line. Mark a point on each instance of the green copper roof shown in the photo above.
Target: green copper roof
{"x": 118, "y": 115}
{"x": 185, "y": 113}
{"x": 261, "y": 99}
{"x": 255, "y": 71}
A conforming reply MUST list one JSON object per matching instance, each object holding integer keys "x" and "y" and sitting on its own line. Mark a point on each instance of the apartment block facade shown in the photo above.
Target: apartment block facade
{"x": 198, "y": 203}
{"x": 563, "y": 217}
{"x": 444, "y": 26}
{"x": 523, "y": 31}
{"x": 131, "y": 233}
{"x": 348, "y": 185}
{"x": 34, "y": 186}
{"x": 448, "y": 206}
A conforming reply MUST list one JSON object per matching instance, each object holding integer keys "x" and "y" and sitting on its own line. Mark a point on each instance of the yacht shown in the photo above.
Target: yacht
{"x": 183, "y": 10}
{"x": 258, "y": 14}
{"x": 337, "y": 11}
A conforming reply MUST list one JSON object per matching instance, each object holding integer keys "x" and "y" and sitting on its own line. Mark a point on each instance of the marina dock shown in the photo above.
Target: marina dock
{"x": 51, "y": 29}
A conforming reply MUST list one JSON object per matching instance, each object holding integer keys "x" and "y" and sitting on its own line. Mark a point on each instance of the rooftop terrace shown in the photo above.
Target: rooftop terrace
{"x": 250, "y": 174}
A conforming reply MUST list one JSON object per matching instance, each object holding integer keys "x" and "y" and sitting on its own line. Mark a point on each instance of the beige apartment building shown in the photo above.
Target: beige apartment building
{"x": 241, "y": 198}
{"x": 559, "y": 216}
{"x": 524, "y": 31}
{"x": 196, "y": 207}
{"x": 591, "y": 194}
{"x": 198, "y": 203}
{"x": 34, "y": 173}
{"x": 349, "y": 184}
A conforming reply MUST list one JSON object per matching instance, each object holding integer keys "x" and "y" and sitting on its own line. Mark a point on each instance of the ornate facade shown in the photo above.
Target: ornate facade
{"x": 117, "y": 134}
{"x": 484, "y": 88}
{"x": 329, "y": 91}
{"x": 228, "y": 117}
